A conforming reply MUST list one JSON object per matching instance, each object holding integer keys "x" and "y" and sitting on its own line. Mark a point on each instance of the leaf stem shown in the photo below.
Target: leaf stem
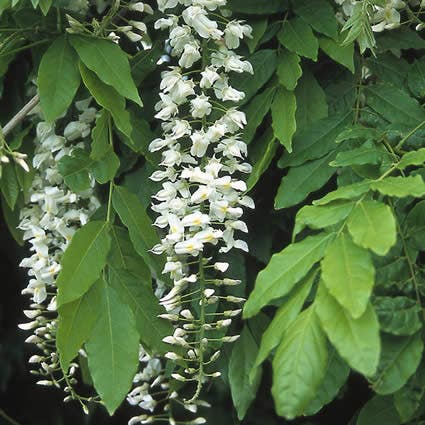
{"x": 28, "y": 46}
{"x": 201, "y": 279}
{"x": 111, "y": 190}
{"x": 408, "y": 135}
{"x": 408, "y": 259}
{"x": 111, "y": 183}
{"x": 8, "y": 418}
{"x": 201, "y": 332}
{"x": 357, "y": 105}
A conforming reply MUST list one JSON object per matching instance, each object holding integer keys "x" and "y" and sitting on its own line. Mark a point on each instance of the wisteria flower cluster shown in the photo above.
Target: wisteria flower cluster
{"x": 52, "y": 215}
{"x": 200, "y": 203}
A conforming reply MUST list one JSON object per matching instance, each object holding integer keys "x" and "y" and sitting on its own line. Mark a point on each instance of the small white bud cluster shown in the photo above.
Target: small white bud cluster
{"x": 135, "y": 30}
{"x": 6, "y": 155}
{"x": 152, "y": 393}
{"x": 383, "y": 17}
{"x": 52, "y": 215}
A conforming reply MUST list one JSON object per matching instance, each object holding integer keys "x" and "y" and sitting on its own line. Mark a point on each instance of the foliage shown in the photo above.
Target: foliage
{"x": 334, "y": 279}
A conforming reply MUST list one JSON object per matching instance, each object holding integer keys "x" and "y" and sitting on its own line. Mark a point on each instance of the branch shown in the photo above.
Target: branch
{"x": 21, "y": 115}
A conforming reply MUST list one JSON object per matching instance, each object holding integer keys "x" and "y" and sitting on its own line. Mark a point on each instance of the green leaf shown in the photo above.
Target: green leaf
{"x": 100, "y": 136}
{"x": 341, "y": 54}
{"x": 319, "y": 14}
{"x": 400, "y": 358}
{"x": 255, "y": 112}
{"x": 400, "y": 186}
{"x": 259, "y": 27}
{"x": 105, "y": 169}
{"x": 359, "y": 28}
{"x": 141, "y": 136}
{"x": 139, "y": 225}
{"x": 365, "y": 154}
{"x": 146, "y": 309}
{"x": 107, "y": 97}
{"x": 284, "y": 107}
{"x": 412, "y": 158}
{"x": 408, "y": 399}
{"x": 75, "y": 169}
{"x": 9, "y": 185}
{"x": 299, "y": 365}
{"x": 398, "y": 315}
{"x": 106, "y": 160}
{"x": 255, "y": 7}
{"x": 108, "y": 62}
{"x": 45, "y": 6}
{"x": 372, "y": 225}
{"x": 18, "y": 139}
{"x": 122, "y": 255}
{"x": 298, "y": 37}
{"x": 284, "y": 316}
{"x": 357, "y": 340}
{"x": 288, "y": 69}
{"x": 264, "y": 65}
{"x": 315, "y": 140}
{"x": 351, "y": 191}
{"x": 378, "y": 410}
{"x": 395, "y": 105}
{"x": 415, "y": 223}
{"x": 12, "y": 220}
{"x": 349, "y": 274}
{"x": 394, "y": 271}
{"x": 416, "y": 78}
{"x": 336, "y": 375}
{"x": 319, "y": 217}
{"x": 311, "y": 101}
{"x": 25, "y": 179}
{"x": 242, "y": 359}
{"x": 58, "y": 78}
{"x": 145, "y": 62}
{"x": 75, "y": 323}
{"x": 113, "y": 349}
{"x": 262, "y": 153}
{"x": 400, "y": 38}
{"x": 389, "y": 69}
{"x": 83, "y": 261}
{"x": 357, "y": 132}
{"x": 284, "y": 270}
{"x": 303, "y": 180}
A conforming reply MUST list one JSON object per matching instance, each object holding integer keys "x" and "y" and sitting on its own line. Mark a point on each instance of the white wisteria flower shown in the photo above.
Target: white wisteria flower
{"x": 49, "y": 220}
{"x": 202, "y": 195}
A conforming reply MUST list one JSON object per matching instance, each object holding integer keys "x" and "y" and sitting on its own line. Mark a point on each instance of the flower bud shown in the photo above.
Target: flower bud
{"x": 179, "y": 377}
{"x": 35, "y": 359}
{"x": 172, "y": 356}
{"x": 45, "y": 383}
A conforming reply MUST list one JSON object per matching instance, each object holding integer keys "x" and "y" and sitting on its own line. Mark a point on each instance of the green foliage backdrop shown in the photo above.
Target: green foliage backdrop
{"x": 332, "y": 329}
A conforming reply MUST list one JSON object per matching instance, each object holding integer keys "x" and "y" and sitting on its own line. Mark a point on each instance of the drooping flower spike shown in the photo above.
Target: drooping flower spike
{"x": 200, "y": 204}
{"x": 203, "y": 156}
{"x": 52, "y": 215}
